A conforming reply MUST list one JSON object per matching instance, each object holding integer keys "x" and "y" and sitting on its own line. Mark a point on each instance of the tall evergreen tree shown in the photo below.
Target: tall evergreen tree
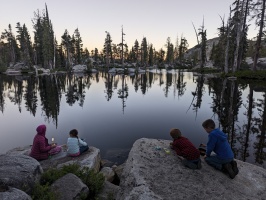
{"x": 136, "y": 51}
{"x": 43, "y": 39}
{"x": 182, "y": 48}
{"x": 107, "y": 49}
{"x": 169, "y": 51}
{"x": 26, "y": 49}
{"x": 144, "y": 49}
{"x": 78, "y": 46}
{"x": 67, "y": 43}
{"x": 151, "y": 55}
{"x": 13, "y": 53}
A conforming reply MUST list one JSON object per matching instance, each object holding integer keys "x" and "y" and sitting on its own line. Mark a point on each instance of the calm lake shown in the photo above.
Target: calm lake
{"x": 112, "y": 111}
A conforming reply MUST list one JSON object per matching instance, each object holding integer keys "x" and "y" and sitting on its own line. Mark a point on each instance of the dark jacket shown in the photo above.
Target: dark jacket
{"x": 218, "y": 143}
{"x": 185, "y": 148}
{"x": 40, "y": 147}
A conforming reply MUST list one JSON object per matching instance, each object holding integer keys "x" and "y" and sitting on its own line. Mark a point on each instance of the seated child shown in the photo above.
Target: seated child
{"x": 217, "y": 142}
{"x": 75, "y": 145}
{"x": 184, "y": 148}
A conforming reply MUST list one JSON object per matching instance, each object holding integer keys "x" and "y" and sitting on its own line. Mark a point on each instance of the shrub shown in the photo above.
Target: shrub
{"x": 93, "y": 180}
{"x": 42, "y": 192}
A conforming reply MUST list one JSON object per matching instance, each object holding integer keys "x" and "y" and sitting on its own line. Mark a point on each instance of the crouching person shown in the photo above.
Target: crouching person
{"x": 190, "y": 155}
{"x": 217, "y": 142}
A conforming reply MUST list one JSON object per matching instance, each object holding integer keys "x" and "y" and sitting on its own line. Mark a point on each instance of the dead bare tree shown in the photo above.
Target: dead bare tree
{"x": 261, "y": 25}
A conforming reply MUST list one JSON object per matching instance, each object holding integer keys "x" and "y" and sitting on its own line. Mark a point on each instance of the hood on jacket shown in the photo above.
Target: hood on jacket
{"x": 41, "y": 129}
{"x": 219, "y": 134}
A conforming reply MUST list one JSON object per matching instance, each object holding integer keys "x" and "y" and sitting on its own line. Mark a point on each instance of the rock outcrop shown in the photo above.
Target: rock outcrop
{"x": 90, "y": 158}
{"x": 69, "y": 187}
{"x": 19, "y": 171}
{"x": 152, "y": 174}
{"x": 14, "y": 194}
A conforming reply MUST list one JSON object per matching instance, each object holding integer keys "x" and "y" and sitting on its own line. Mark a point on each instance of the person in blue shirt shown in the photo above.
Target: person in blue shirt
{"x": 75, "y": 145}
{"x": 217, "y": 142}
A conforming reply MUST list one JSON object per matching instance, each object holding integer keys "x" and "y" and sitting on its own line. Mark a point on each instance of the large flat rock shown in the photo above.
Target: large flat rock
{"x": 151, "y": 174}
{"x": 90, "y": 158}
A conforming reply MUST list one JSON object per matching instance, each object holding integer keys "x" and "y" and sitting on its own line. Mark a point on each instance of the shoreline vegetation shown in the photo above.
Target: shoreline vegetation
{"x": 227, "y": 52}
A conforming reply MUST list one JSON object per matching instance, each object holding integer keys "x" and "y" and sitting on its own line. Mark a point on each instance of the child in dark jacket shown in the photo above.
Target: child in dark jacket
{"x": 183, "y": 147}
{"x": 217, "y": 142}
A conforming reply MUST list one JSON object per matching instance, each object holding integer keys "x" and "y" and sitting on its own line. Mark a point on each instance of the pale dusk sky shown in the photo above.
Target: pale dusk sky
{"x": 154, "y": 19}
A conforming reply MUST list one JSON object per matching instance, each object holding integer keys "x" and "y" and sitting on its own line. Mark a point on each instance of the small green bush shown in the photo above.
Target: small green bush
{"x": 93, "y": 180}
{"x": 42, "y": 192}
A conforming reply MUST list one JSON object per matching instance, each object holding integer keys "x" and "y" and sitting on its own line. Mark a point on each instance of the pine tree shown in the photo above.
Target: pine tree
{"x": 182, "y": 48}
{"x": 13, "y": 54}
{"x": 43, "y": 39}
{"x": 144, "y": 49}
{"x": 26, "y": 49}
{"x": 136, "y": 51}
{"x": 107, "y": 49}
{"x": 67, "y": 43}
{"x": 169, "y": 51}
{"x": 78, "y": 46}
{"x": 151, "y": 55}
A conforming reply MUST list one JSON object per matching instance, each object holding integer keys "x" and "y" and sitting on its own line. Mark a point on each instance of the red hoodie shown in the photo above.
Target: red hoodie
{"x": 40, "y": 147}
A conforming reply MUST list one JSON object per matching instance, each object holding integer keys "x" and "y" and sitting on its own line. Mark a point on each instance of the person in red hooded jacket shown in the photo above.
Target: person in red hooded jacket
{"x": 41, "y": 148}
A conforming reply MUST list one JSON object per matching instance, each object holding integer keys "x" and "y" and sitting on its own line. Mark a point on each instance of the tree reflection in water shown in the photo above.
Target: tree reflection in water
{"x": 237, "y": 107}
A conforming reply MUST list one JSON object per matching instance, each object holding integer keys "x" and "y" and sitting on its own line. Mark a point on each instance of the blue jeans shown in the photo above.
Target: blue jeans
{"x": 82, "y": 149}
{"x": 216, "y": 162}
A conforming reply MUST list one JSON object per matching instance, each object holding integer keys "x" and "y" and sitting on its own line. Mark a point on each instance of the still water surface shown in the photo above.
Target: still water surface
{"x": 112, "y": 111}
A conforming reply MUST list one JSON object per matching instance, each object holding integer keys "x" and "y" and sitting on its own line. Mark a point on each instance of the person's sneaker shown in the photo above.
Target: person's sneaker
{"x": 199, "y": 164}
{"x": 229, "y": 170}
{"x": 234, "y": 167}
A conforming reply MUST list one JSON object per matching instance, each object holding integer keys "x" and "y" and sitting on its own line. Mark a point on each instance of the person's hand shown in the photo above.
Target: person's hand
{"x": 53, "y": 145}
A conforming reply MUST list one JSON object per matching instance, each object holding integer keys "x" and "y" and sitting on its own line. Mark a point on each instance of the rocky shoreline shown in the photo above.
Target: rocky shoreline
{"x": 147, "y": 174}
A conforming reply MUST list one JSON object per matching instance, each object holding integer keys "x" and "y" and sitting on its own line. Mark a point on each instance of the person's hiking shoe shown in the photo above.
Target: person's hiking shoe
{"x": 234, "y": 167}
{"x": 202, "y": 151}
{"x": 228, "y": 168}
{"x": 199, "y": 164}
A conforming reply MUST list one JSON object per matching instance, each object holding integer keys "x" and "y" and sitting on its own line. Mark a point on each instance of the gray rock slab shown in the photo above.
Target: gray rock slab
{"x": 20, "y": 150}
{"x": 69, "y": 187}
{"x": 155, "y": 174}
{"x": 109, "y": 191}
{"x": 90, "y": 159}
{"x": 108, "y": 173}
{"x": 119, "y": 170}
{"x": 14, "y": 194}
{"x": 19, "y": 171}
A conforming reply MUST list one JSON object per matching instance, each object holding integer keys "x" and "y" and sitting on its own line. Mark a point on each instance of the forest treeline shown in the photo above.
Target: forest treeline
{"x": 49, "y": 52}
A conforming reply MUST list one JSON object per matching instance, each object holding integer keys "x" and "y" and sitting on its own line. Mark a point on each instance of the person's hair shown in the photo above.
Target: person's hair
{"x": 175, "y": 133}
{"x": 209, "y": 123}
{"x": 74, "y": 133}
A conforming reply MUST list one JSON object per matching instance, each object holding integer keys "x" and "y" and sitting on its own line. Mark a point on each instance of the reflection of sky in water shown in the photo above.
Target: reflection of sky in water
{"x": 103, "y": 124}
